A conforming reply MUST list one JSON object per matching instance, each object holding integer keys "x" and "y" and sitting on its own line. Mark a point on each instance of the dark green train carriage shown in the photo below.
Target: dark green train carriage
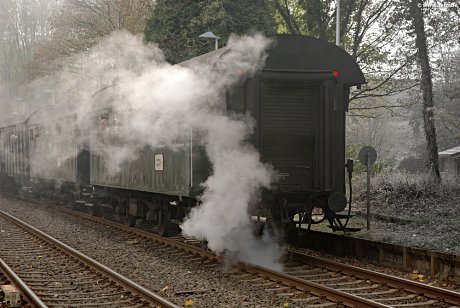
{"x": 299, "y": 100}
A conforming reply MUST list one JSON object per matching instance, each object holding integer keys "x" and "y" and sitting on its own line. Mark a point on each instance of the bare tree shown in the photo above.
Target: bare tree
{"x": 370, "y": 48}
{"x": 23, "y": 25}
{"x": 79, "y": 24}
{"x": 426, "y": 85}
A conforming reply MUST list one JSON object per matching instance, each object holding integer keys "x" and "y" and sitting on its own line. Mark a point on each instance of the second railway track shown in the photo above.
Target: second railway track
{"x": 382, "y": 288}
{"x": 60, "y": 276}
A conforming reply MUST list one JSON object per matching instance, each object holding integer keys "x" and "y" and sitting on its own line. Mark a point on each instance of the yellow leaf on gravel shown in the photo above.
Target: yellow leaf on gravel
{"x": 286, "y": 304}
{"x": 414, "y": 276}
{"x": 188, "y": 302}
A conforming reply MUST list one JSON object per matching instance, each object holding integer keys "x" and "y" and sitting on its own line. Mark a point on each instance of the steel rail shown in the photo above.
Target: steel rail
{"x": 448, "y": 296}
{"x": 314, "y": 288}
{"x": 107, "y": 272}
{"x": 294, "y": 282}
{"x": 24, "y": 289}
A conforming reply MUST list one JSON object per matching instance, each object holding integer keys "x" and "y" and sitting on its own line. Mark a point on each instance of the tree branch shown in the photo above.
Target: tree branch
{"x": 383, "y": 107}
{"x": 389, "y": 77}
{"x": 388, "y": 93}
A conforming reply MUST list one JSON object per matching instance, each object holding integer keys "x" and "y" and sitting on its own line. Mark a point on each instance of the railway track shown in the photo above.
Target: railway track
{"x": 382, "y": 288}
{"x": 56, "y": 275}
{"x": 307, "y": 281}
{"x": 12, "y": 283}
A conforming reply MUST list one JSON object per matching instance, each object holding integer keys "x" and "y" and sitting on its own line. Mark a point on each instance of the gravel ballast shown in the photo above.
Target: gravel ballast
{"x": 144, "y": 263}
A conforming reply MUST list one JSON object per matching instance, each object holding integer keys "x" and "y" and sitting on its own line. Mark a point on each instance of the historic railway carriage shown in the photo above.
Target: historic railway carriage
{"x": 162, "y": 170}
{"x": 14, "y": 166}
{"x": 304, "y": 95}
{"x": 59, "y": 149}
{"x": 44, "y": 156}
{"x": 53, "y": 144}
{"x": 299, "y": 100}
{"x": 160, "y": 185}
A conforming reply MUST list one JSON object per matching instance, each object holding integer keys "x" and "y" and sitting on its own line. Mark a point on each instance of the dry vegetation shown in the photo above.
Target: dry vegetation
{"x": 433, "y": 209}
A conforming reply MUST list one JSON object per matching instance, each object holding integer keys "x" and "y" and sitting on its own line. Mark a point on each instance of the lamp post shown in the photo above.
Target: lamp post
{"x": 337, "y": 23}
{"x": 210, "y": 36}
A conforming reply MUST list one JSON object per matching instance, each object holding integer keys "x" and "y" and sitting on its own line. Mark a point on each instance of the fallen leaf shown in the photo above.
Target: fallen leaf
{"x": 414, "y": 276}
{"x": 188, "y": 302}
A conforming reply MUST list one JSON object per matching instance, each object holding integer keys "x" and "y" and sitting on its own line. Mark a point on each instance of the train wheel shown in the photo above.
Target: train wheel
{"x": 164, "y": 221}
{"x": 130, "y": 220}
{"x": 120, "y": 213}
{"x": 290, "y": 231}
{"x": 95, "y": 210}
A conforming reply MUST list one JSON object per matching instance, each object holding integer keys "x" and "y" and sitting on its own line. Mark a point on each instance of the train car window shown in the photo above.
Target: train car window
{"x": 36, "y": 132}
{"x": 19, "y": 142}
{"x": 58, "y": 129}
{"x": 14, "y": 137}
{"x": 116, "y": 122}
{"x": 104, "y": 121}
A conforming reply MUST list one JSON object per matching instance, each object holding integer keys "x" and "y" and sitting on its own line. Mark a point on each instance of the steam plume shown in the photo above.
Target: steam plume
{"x": 159, "y": 104}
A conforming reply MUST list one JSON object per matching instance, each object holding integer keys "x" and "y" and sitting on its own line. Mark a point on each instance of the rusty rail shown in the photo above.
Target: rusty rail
{"x": 24, "y": 289}
{"x": 107, "y": 272}
{"x": 396, "y": 282}
{"x": 405, "y": 258}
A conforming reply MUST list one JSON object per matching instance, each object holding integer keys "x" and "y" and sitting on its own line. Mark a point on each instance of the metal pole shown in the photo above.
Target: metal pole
{"x": 217, "y": 44}
{"x": 337, "y": 21}
{"x": 191, "y": 158}
{"x": 368, "y": 216}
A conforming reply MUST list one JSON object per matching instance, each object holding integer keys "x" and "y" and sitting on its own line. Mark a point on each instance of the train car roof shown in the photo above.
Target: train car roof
{"x": 48, "y": 112}
{"x": 299, "y": 53}
{"x": 13, "y": 119}
{"x": 101, "y": 99}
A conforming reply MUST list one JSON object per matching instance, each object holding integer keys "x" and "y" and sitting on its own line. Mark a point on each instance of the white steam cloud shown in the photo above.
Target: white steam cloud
{"x": 159, "y": 103}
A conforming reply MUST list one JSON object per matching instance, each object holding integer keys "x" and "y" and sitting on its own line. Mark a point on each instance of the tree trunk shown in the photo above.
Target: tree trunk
{"x": 426, "y": 86}
{"x": 286, "y": 15}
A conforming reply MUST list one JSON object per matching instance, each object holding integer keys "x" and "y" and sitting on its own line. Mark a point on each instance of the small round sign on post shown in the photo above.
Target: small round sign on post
{"x": 367, "y": 152}
{"x": 368, "y": 156}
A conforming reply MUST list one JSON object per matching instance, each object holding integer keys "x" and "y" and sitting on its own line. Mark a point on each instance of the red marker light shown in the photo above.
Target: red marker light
{"x": 335, "y": 74}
